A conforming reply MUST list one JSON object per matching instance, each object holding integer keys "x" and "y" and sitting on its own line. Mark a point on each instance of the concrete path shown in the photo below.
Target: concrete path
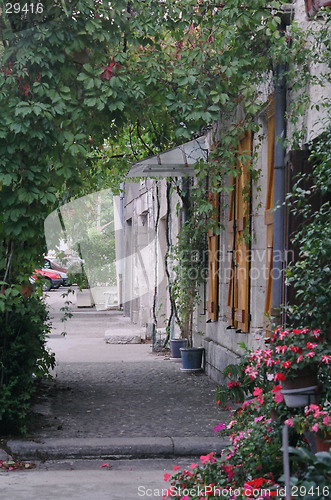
{"x": 108, "y": 402}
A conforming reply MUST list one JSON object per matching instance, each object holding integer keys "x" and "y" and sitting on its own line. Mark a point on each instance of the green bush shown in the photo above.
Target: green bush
{"x": 24, "y": 358}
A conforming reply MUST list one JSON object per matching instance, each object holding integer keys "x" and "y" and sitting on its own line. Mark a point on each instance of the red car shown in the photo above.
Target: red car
{"x": 51, "y": 279}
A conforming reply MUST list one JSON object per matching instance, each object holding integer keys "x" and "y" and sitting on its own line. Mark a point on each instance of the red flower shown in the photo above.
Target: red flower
{"x": 310, "y": 345}
{"x": 326, "y": 359}
{"x": 278, "y": 395}
{"x": 281, "y": 348}
{"x": 279, "y": 376}
{"x": 286, "y": 364}
{"x": 257, "y": 391}
{"x": 233, "y": 383}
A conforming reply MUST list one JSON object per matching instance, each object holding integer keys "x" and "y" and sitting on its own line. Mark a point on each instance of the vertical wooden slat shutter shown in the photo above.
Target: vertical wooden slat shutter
{"x": 212, "y": 302}
{"x": 238, "y": 291}
{"x": 268, "y": 214}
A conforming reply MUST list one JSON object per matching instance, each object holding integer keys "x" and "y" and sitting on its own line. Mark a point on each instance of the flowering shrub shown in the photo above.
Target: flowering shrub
{"x": 252, "y": 466}
{"x": 314, "y": 419}
{"x": 215, "y": 478}
{"x": 289, "y": 352}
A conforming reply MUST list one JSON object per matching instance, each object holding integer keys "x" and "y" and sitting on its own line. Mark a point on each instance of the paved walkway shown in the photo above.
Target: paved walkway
{"x": 117, "y": 400}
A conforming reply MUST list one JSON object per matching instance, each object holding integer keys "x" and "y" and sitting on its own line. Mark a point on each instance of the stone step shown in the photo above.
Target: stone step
{"x": 112, "y": 337}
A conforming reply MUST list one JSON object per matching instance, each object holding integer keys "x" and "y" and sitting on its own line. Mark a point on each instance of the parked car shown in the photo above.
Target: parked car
{"x": 51, "y": 279}
{"x": 62, "y": 271}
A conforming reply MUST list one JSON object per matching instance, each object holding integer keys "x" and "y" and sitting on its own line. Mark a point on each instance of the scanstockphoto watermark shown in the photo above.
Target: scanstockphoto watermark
{"x": 214, "y": 492}
{"x": 205, "y": 492}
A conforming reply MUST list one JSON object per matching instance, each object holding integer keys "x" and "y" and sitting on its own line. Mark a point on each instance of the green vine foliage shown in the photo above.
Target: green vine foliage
{"x": 189, "y": 257}
{"x": 310, "y": 276}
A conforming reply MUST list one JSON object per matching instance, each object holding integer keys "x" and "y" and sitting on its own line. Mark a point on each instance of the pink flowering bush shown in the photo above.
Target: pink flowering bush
{"x": 217, "y": 478}
{"x": 289, "y": 352}
{"x": 315, "y": 418}
{"x": 254, "y": 458}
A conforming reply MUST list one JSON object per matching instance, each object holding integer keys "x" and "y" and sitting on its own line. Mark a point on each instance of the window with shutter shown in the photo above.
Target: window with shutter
{"x": 212, "y": 303}
{"x": 268, "y": 215}
{"x": 239, "y": 211}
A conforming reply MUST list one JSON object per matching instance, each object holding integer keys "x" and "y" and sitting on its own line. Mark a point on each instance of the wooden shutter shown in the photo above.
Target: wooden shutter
{"x": 212, "y": 303}
{"x": 268, "y": 214}
{"x": 238, "y": 290}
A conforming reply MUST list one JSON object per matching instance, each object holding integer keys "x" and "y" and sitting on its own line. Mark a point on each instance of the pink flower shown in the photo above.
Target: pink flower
{"x": 219, "y": 427}
{"x": 314, "y": 427}
{"x": 166, "y": 477}
{"x": 257, "y": 391}
{"x": 269, "y": 361}
{"x": 289, "y": 422}
{"x": 257, "y": 419}
{"x": 312, "y": 407}
{"x": 300, "y": 358}
{"x": 310, "y": 354}
{"x": 176, "y": 467}
{"x": 326, "y": 359}
{"x": 185, "y": 498}
{"x": 326, "y": 420}
{"x": 248, "y": 369}
{"x": 278, "y": 395}
{"x": 316, "y": 333}
{"x": 193, "y": 466}
{"x": 267, "y": 353}
{"x": 208, "y": 458}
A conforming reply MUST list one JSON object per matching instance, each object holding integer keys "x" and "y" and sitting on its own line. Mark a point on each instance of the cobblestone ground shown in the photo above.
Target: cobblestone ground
{"x": 128, "y": 399}
{"x": 102, "y": 390}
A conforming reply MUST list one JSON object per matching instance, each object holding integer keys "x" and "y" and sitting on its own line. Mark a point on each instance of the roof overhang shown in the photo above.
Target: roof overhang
{"x": 176, "y": 162}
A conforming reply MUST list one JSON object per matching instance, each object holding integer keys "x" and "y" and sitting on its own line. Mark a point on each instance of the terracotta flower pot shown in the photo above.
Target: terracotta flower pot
{"x": 322, "y": 444}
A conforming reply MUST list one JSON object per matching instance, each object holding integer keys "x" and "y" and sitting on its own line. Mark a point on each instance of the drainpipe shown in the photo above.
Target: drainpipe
{"x": 279, "y": 192}
{"x": 121, "y": 246}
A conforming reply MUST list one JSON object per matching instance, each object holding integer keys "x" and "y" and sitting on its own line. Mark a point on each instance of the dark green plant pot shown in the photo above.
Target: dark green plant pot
{"x": 192, "y": 358}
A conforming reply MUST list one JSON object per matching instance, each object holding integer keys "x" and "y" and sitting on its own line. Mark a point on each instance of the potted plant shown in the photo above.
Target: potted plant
{"x": 295, "y": 357}
{"x": 77, "y": 276}
{"x": 188, "y": 275}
